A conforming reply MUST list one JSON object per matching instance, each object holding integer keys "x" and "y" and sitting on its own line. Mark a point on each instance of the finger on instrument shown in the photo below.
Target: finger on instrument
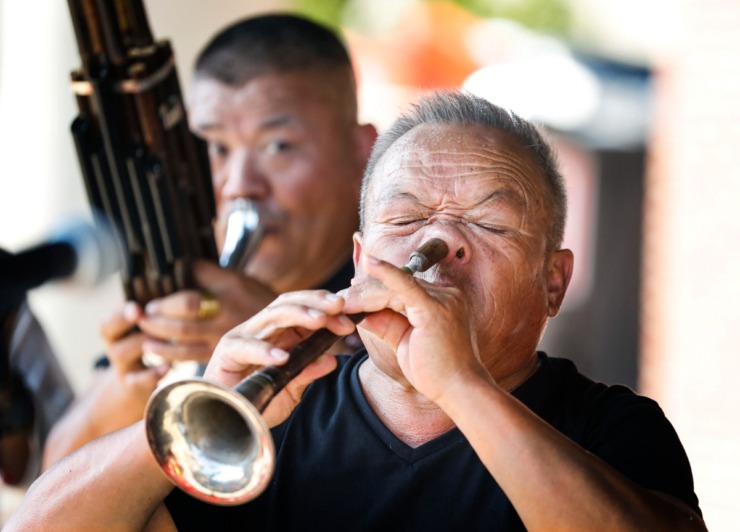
{"x": 125, "y": 354}
{"x": 180, "y": 330}
{"x": 277, "y": 318}
{"x": 175, "y": 352}
{"x": 237, "y": 354}
{"x": 407, "y": 288}
{"x": 323, "y": 300}
{"x": 370, "y": 294}
{"x": 186, "y": 304}
{"x": 118, "y": 324}
{"x": 146, "y": 379}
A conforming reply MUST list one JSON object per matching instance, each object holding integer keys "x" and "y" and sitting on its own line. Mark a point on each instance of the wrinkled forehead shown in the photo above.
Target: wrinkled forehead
{"x": 460, "y": 161}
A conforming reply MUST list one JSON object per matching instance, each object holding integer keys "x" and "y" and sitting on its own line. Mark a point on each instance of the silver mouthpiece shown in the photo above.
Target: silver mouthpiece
{"x": 243, "y": 234}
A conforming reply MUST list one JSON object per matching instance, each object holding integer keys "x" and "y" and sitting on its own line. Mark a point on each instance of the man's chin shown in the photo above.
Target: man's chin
{"x": 267, "y": 270}
{"x": 267, "y": 264}
{"x": 261, "y": 273}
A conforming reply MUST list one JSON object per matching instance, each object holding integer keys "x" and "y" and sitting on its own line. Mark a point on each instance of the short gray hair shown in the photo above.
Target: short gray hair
{"x": 453, "y": 107}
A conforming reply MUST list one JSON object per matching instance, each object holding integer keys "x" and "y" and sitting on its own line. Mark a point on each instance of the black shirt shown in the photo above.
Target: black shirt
{"x": 339, "y": 468}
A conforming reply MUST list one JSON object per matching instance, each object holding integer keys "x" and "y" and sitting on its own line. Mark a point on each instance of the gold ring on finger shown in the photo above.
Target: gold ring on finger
{"x": 209, "y": 306}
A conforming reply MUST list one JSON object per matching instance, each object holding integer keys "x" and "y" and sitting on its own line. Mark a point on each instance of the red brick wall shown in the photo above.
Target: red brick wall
{"x": 691, "y": 295}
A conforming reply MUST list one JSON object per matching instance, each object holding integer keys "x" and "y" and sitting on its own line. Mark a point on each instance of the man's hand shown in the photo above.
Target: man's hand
{"x": 428, "y": 326}
{"x": 125, "y": 349}
{"x": 169, "y": 327}
{"x": 174, "y": 326}
{"x": 117, "y": 396}
{"x": 266, "y": 338}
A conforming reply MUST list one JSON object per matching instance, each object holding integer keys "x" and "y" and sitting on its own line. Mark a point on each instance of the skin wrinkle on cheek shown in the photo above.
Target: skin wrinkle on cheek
{"x": 530, "y": 281}
{"x": 489, "y": 301}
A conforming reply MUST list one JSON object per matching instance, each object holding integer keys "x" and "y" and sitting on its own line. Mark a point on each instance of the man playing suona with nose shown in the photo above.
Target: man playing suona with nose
{"x": 452, "y": 420}
{"x": 275, "y": 98}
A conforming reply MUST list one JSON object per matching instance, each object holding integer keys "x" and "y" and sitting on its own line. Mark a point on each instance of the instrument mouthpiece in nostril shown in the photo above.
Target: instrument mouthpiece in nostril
{"x": 433, "y": 251}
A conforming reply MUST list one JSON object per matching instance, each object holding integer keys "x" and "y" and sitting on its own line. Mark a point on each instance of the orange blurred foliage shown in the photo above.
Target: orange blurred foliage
{"x": 426, "y": 50}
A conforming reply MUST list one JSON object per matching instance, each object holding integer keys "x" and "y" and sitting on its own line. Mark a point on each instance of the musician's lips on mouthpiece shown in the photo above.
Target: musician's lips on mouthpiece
{"x": 269, "y": 229}
{"x": 272, "y": 221}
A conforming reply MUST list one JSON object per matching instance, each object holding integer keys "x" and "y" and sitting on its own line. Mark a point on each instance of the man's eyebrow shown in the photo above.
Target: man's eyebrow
{"x": 276, "y": 121}
{"x": 505, "y": 194}
{"x": 207, "y": 127}
{"x": 394, "y": 193}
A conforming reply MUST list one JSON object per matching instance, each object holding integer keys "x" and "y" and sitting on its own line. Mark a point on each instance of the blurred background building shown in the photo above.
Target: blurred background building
{"x": 640, "y": 97}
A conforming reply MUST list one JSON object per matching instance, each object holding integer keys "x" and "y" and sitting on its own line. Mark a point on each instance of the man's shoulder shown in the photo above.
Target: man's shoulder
{"x": 560, "y": 375}
{"x": 563, "y": 396}
{"x": 625, "y": 429}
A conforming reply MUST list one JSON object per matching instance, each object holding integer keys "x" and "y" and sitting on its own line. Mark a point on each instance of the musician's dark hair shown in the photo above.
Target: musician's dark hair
{"x": 267, "y": 44}
{"x": 454, "y": 107}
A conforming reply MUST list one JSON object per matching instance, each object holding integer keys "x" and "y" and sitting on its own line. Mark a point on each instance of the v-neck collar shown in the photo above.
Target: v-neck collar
{"x": 401, "y": 449}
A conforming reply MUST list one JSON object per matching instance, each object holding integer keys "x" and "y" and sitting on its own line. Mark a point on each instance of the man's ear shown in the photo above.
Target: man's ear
{"x": 365, "y": 135}
{"x": 559, "y": 271}
{"x": 357, "y": 249}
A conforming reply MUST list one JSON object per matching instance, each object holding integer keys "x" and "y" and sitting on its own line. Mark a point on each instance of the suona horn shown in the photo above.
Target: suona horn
{"x": 212, "y": 441}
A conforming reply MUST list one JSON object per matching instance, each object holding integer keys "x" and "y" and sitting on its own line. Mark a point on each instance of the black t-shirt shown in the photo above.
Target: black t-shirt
{"x": 339, "y": 468}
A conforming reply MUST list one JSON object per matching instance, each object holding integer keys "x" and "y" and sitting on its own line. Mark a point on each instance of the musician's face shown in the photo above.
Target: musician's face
{"x": 291, "y": 143}
{"x": 484, "y": 195}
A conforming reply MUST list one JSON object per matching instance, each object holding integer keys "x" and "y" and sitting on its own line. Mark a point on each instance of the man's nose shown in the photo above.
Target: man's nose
{"x": 459, "y": 248}
{"x": 244, "y": 178}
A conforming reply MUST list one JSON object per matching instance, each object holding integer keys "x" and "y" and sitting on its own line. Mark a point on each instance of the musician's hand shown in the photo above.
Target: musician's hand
{"x": 125, "y": 348}
{"x": 428, "y": 326}
{"x": 266, "y": 338}
{"x": 175, "y": 326}
{"x": 118, "y": 394}
{"x": 130, "y": 383}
